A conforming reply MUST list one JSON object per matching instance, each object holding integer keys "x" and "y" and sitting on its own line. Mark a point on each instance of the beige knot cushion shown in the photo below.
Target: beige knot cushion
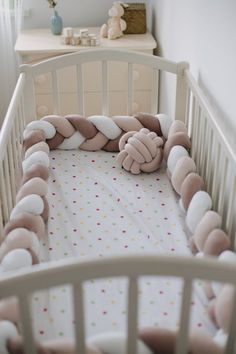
{"x": 140, "y": 151}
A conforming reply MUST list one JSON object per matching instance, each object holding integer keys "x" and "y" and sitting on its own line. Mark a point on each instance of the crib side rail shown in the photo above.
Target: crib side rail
{"x": 214, "y": 157}
{"x": 10, "y": 152}
{"x": 133, "y": 267}
{"x": 105, "y": 57}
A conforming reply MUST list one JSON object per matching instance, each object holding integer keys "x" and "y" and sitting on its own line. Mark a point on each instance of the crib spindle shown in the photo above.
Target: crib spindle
{"x": 16, "y": 151}
{"x": 13, "y": 184}
{"x": 193, "y": 134}
{"x": 1, "y": 222}
{"x": 22, "y": 112}
{"x": 80, "y": 88}
{"x": 203, "y": 146}
{"x": 230, "y": 210}
{"x": 230, "y": 345}
{"x": 209, "y": 162}
{"x": 155, "y": 93}
{"x": 132, "y": 316}
{"x": 7, "y": 187}
{"x": 206, "y": 151}
{"x": 181, "y": 92}
{"x": 105, "y": 107}
{"x": 56, "y": 96}
{"x": 130, "y": 89}
{"x": 4, "y": 201}
{"x": 223, "y": 182}
{"x": 79, "y": 318}
{"x": 26, "y": 326}
{"x": 188, "y": 117}
{"x": 182, "y": 340}
{"x": 215, "y": 183}
{"x": 199, "y": 140}
{"x": 196, "y": 130}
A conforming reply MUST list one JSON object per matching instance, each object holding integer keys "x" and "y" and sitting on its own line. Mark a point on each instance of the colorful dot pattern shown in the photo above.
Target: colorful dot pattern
{"x": 99, "y": 209}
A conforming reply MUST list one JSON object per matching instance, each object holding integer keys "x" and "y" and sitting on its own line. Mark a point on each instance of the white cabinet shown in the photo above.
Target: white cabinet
{"x": 38, "y": 44}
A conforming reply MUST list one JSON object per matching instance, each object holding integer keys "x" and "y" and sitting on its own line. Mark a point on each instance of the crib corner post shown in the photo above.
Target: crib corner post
{"x": 181, "y": 92}
{"x": 29, "y": 94}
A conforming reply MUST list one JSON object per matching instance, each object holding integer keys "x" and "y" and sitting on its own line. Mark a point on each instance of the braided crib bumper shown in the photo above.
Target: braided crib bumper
{"x": 92, "y": 133}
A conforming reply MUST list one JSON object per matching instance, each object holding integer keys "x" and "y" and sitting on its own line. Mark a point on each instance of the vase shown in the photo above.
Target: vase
{"x": 56, "y": 23}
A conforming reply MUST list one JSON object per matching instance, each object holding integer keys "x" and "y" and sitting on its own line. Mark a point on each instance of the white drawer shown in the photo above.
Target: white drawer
{"x": 117, "y": 78}
{"x": 44, "y": 105}
{"x": 118, "y": 102}
{"x": 69, "y": 104}
{"x": 93, "y": 103}
{"x": 142, "y": 101}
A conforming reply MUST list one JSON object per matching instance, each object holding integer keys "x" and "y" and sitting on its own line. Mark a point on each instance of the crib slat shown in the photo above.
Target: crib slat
{"x": 188, "y": 120}
{"x": 80, "y": 83}
{"x": 22, "y": 111}
{"x": 18, "y": 153}
{"x": 13, "y": 184}
{"x": 194, "y": 123}
{"x": 18, "y": 132}
{"x": 132, "y": 316}
{"x": 26, "y": 325}
{"x": 222, "y": 188}
{"x": 130, "y": 89}
{"x": 206, "y": 150}
{"x": 79, "y": 318}
{"x": 1, "y": 223}
{"x": 230, "y": 210}
{"x": 7, "y": 182}
{"x": 104, "y": 88}
{"x": 15, "y": 153}
{"x": 56, "y": 98}
{"x": 230, "y": 345}
{"x": 182, "y": 341}
{"x": 4, "y": 200}
{"x": 199, "y": 140}
{"x": 208, "y": 179}
{"x": 215, "y": 184}
{"x": 155, "y": 93}
{"x": 203, "y": 146}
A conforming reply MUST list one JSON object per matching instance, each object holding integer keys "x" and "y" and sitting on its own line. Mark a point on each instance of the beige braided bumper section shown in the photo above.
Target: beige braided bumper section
{"x": 97, "y": 132}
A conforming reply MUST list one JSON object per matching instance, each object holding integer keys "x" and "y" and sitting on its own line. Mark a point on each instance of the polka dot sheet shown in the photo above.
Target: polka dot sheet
{"x": 98, "y": 209}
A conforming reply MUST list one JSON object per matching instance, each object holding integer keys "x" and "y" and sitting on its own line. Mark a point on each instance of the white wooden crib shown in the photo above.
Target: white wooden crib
{"x": 215, "y": 160}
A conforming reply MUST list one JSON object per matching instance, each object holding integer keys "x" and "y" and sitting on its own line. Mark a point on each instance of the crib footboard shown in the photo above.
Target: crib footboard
{"x": 75, "y": 272}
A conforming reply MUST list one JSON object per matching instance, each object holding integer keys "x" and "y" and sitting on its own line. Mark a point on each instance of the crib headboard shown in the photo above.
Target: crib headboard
{"x": 104, "y": 57}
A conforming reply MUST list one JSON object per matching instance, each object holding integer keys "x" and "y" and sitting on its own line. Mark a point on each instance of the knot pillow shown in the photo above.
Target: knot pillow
{"x": 140, "y": 151}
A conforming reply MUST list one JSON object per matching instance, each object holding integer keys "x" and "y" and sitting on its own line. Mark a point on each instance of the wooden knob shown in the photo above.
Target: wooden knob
{"x": 42, "y": 111}
{"x": 40, "y": 79}
{"x": 135, "y": 107}
{"x": 136, "y": 75}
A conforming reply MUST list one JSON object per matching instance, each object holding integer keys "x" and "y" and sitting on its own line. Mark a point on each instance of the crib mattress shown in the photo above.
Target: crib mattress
{"x": 98, "y": 209}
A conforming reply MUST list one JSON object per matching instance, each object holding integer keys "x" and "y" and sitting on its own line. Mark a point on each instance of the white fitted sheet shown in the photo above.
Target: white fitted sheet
{"x": 98, "y": 209}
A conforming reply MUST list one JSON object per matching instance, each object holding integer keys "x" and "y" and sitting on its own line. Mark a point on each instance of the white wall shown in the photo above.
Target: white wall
{"x": 201, "y": 32}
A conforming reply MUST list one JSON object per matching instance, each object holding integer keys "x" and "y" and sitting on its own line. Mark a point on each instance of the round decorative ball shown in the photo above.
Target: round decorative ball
{"x": 140, "y": 151}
